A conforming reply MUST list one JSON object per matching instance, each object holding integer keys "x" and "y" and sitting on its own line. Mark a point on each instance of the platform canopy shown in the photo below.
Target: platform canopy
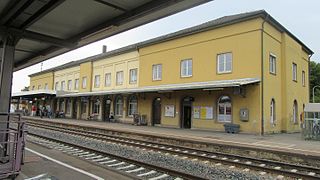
{"x": 47, "y": 28}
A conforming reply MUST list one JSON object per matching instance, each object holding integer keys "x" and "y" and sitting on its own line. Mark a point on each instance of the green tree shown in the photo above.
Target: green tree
{"x": 315, "y": 80}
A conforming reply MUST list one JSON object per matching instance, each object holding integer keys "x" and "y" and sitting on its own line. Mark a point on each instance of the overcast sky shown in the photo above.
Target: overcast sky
{"x": 300, "y": 17}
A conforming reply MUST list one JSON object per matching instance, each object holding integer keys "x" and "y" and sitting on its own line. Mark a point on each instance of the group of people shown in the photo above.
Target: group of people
{"x": 42, "y": 111}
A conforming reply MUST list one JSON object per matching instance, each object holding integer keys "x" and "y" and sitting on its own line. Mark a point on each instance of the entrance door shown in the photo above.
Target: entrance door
{"x": 156, "y": 111}
{"x": 75, "y": 109}
{"x": 186, "y": 112}
{"x": 107, "y": 110}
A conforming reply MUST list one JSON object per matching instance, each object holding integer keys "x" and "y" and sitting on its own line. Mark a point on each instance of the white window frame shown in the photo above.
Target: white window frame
{"x": 56, "y": 87}
{"x": 303, "y": 78}
{"x": 273, "y": 112}
{"x": 157, "y": 72}
{"x": 294, "y": 72}
{"x": 119, "y": 78}
{"x": 272, "y": 64}
{"x": 119, "y": 106}
{"x": 133, "y": 76}
{"x": 33, "y": 87}
{"x": 69, "y": 85}
{"x": 97, "y": 81}
{"x": 84, "y": 82}
{"x": 76, "y": 84}
{"x": 46, "y": 86}
{"x": 224, "y": 118}
{"x": 132, "y": 106}
{"x": 186, "y": 68}
{"x": 107, "y": 79}
{"x": 224, "y": 55}
{"x": 63, "y": 84}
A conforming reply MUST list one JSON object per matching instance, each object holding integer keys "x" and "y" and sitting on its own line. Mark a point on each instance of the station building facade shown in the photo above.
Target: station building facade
{"x": 244, "y": 69}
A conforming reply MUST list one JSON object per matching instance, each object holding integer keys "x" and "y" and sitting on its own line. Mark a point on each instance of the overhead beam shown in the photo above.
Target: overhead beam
{"x": 24, "y": 34}
{"x": 42, "y": 12}
{"x": 14, "y": 11}
{"x": 111, "y": 5}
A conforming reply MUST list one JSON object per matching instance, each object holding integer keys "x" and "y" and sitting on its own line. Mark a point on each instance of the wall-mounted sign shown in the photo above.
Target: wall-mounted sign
{"x": 169, "y": 110}
{"x": 196, "y": 112}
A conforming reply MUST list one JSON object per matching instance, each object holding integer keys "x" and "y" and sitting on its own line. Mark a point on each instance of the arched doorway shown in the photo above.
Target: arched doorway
{"x": 107, "y": 109}
{"x": 224, "y": 109}
{"x": 156, "y": 111}
{"x": 75, "y": 108}
{"x": 186, "y": 112}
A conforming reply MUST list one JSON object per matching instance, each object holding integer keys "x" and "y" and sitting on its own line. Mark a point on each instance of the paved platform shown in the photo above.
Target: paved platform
{"x": 44, "y": 163}
{"x": 292, "y": 142}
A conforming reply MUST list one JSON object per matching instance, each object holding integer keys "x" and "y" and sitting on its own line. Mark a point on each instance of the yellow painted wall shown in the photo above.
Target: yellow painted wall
{"x": 242, "y": 39}
{"x": 42, "y": 79}
{"x": 123, "y": 62}
{"x": 85, "y": 71}
{"x": 67, "y": 74}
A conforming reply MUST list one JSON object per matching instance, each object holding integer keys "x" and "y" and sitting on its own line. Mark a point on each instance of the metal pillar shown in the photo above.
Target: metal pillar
{"x": 6, "y": 72}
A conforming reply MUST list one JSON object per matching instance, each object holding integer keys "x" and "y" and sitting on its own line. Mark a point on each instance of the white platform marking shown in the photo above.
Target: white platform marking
{"x": 147, "y": 173}
{"x": 159, "y": 177}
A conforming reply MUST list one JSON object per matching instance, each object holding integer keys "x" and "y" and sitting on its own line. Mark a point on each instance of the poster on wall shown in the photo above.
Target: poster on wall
{"x": 169, "y": 110}
{"x": 206, "y": 112}
{"x": 196, "y": 112}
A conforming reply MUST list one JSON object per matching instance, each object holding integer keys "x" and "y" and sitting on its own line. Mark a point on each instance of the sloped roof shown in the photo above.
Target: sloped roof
{"x": 217, "y": 23}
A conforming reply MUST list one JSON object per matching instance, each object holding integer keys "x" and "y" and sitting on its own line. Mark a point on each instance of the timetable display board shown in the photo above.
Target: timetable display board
{"x": 203, "y": 112}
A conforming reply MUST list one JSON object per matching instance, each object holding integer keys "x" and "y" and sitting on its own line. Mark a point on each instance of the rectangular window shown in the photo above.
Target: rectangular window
{"x": 303, "y": 78}
{"x": 224, "y": 63}
{"x": 68, "y": 109}
{"x": 84, "y": 82}
{"x": 39, "y": 86}
{"x": 69, "y": 85}
{"x": 133, "y": 76}
{"x": 63, "y": 84}
{"x": 272, "y": 64}
{"x": 46, "y": 86}
{"x": 76, "y": 84}
{"x": 294, "y": 71}
{"x": 33, "y": 88}
{"x": 157, "y": 72}
{"x": 119, "y": 78}
{"x": 107, "y": 81}
{"x": 97, "y": 81}
{"x": 186, "y": 68}
{"x": 56, "y": 86}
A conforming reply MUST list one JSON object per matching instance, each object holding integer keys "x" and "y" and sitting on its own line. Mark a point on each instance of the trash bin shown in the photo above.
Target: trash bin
{"x": 231, "y": 128}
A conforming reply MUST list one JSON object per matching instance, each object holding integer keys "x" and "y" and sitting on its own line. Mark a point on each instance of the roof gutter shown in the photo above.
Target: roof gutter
{"x": 262, "y": 76}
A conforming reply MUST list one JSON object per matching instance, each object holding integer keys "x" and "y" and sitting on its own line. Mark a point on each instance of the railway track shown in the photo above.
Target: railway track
{"x": 247, "y": 163}
{"x": 132, "y": 168}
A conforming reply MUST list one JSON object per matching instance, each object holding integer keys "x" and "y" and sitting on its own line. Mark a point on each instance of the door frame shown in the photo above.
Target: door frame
{"x": 182, "y": 105}
{"x": 153, "y": 111}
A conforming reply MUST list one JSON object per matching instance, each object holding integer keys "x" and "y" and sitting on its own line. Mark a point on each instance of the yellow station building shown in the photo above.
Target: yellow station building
{"x": 245, "y": 69}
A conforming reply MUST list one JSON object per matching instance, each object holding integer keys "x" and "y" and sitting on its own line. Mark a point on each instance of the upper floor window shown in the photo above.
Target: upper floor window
{"x": 63, "y": 84}
{"x": 69, "y": 85}
{"x": 97, "y": 81}
{"x": 133, "y": 76}
{"x": 107, "y": 79}
{"x": 46, "y": 86}
{"x": 39, "y": 86}
{"x": 84, "y": 82}
{"x": 186, "y": 68}
{"x": 76, "y": 84}
{"x": 303, "y": 78}
{"x": 157, "y": 72}
{"x": 294, "y": 71}
{"x": 56, "y": 86}
{"x": 119, "y": 78}
{"x": 272, "y": 64}
{"x": 224, "y": 63}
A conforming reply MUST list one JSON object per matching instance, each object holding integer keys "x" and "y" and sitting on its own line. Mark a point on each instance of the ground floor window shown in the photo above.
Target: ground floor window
{"x": 96, "y": 106}
{"x": 84, "y": 107}
{"x": 118, "y": 106}
{"x": 61, "y": 107}
{"x": 132, "y": 106}
{"x": 272, "y": 112}
{"x": 224, "y": 109}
